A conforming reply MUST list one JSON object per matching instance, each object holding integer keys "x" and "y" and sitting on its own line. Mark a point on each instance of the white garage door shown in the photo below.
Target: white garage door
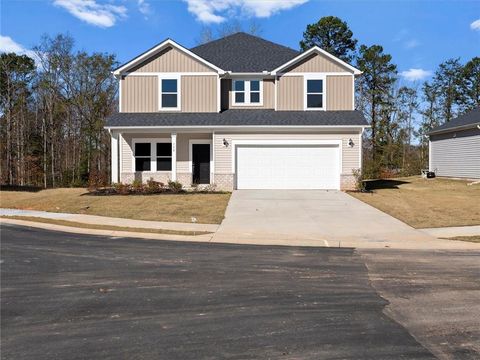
{"x": 288, "y": 167}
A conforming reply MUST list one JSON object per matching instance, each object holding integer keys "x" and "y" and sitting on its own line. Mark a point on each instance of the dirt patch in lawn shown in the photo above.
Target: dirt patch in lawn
{"x": 425, "y": 203}
{"x": 206, "y": 208}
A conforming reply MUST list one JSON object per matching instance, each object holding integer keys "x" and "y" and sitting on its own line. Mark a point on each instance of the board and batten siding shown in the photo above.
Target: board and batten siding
{"x": 339, "y": 90}
{"x": 223, "y": 154}
{"x": 317, "y": 63}
{"x": 268, "y": 95}
{"x": 199, "y": 93}
{"x": 171, "y": 60}
{"x": 456, "y": 154}
{"x": 139, "y": 94}
{"x": 290, "y": 93}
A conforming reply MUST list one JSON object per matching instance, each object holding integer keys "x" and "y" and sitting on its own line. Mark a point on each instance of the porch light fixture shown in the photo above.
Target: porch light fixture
{"x": 350, "y": 142}
{"x": 225, "y": 142}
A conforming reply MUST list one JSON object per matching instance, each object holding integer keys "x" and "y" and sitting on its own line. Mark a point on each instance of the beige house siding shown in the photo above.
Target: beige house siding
{"x": 268, "y": 95}
{"x": 171, "y": 60}
{"x": 290, "y": 93}
{"x": 317, "y": 63}
{"x": 339, "y": 92}
{"x": 350, "y": 155}
{"x": 139, "y": 94}
{"x": 199, "y": 93}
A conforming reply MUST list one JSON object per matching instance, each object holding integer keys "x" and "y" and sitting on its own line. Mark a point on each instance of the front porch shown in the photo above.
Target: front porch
{"x": 186, "y": 157}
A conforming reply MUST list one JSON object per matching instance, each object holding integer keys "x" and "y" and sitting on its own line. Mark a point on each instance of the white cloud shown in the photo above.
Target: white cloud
{"x": 411, "y": 44}
{"x": 8, "y": 45}
{"x": 475, "y": 25}
{"x": 217, "y": 11}
{"x": 102, "y": 15}
{"x": 144, "y": 8}
{"x": 415, "y": 74}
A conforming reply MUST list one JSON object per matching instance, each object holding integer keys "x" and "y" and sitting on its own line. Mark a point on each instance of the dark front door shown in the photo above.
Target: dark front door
{"x": 201, "y": 163}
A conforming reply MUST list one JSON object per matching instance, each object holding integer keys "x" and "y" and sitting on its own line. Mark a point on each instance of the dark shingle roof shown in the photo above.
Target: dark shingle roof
{"x": 240, "y": 118}
{"x": 470, "y": 118}
{"x": 242, "y": 52}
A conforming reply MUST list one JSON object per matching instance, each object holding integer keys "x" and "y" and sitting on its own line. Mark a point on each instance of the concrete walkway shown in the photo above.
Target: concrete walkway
{"x": 318, "y": 218}
{"x": 111, "y": 221}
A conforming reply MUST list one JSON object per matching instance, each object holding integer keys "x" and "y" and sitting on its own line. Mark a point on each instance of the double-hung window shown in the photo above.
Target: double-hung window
{"x": 247, "y": 92}
{"x": 169, "y": 98}
{"x": 315, "y": 93}
{"x": 152, "y": 156}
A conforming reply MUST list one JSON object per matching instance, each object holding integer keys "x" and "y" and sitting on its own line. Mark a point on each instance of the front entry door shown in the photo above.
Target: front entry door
{"x": 201, "y": 163}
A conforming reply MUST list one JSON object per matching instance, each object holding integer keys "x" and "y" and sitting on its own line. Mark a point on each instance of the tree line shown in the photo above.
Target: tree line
{"x": 53, "y": 107}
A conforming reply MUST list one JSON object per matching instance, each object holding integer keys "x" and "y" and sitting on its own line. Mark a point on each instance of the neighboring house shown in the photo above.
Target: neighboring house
{"x": 454, "y": 147}
{"x": 239, "y": 112}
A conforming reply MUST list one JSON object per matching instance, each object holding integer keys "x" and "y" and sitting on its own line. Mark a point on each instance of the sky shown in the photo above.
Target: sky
{"x": 418, "y": 34}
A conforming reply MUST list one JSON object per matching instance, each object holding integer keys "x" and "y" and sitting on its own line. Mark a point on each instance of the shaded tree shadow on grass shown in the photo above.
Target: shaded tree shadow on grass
{"x": 22, "y": 188}
{"x": 379, "y": 184}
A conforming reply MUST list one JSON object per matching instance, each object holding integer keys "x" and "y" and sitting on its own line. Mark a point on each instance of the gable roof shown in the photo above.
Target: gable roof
{"x": 241, "y": 52}
{"x": 158, "y": 48}
{"x": 240, "y": 118}
{"x": 468, "y": 120}
{"x": 317, "y": 50}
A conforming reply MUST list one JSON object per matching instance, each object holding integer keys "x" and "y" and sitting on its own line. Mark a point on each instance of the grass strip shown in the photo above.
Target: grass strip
{"x": 105, "y": 227}
{"x": 473, "y": 238}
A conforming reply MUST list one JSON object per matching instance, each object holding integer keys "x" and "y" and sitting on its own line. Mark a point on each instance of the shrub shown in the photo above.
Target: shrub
{"x": 210, "y": 188}
{"x": 175, "y": 186}
{"x": 154, "y": 187}
{"x": 137, "y": 186}
{"x": 120, "y": 188}
{"x": 359, "y": 180}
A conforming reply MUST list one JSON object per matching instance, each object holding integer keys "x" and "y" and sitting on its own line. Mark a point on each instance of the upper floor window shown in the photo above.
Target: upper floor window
{"x": 247, "y": 92}
{"x": 314, "y": 97}
{"x": 169, "y": 98}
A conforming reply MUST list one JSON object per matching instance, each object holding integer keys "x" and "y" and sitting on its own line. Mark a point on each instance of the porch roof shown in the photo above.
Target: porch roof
{"x": 239, "y": 117}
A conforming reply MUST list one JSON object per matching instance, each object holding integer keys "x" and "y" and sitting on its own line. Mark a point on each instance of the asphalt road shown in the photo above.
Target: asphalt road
{"x": 85, "y": 297}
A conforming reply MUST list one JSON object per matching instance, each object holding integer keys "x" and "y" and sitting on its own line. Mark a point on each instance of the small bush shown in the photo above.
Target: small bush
{"x": 175, "y": 186}
{"x": 120, "y": 188}
{"x": 154, "y": 187}
{"x": 359, "y": 180}
{"x": 137, "y": 186}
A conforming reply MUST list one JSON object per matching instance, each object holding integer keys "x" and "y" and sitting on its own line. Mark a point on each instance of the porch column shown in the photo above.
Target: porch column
{"x": 114, "y": 154}
{"x": 174, "y": 156}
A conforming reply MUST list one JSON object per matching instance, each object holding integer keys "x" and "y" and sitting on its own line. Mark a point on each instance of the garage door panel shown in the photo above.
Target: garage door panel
{"x": 287, "y": 167}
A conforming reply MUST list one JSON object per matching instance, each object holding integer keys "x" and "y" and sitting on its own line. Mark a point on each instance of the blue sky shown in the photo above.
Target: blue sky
{"x": 418, "y": 34}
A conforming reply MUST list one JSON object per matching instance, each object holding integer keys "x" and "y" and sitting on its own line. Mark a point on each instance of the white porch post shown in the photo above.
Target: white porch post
{"x": 114, "y": 154}
{"x": 174, "y": 156}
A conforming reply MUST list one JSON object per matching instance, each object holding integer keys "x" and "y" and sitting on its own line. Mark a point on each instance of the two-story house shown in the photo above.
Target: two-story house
{"x": 239, "y": 112}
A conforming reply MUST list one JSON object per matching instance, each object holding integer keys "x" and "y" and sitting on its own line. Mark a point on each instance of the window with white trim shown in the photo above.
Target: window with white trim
{"x": 314, "y": 93}
{"x": 152, "y": 156}
{"x": 169, "y": 98}
{"x": 247, "y": 92}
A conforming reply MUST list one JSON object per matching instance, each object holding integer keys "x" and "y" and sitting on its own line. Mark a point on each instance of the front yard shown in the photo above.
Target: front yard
{"x": 207, "y": 208}
{"x": 424, "y": 203}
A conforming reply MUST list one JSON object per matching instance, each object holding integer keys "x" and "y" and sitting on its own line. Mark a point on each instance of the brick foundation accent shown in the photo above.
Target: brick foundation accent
{"x": 224, "y": 182}
{"x": 185, "y": 179}
{"x": 128, "y": 178}
{"x": 347, "y": 182}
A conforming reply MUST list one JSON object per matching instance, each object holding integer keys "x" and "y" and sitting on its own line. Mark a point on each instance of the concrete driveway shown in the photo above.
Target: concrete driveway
{"x": 317, "y": 218}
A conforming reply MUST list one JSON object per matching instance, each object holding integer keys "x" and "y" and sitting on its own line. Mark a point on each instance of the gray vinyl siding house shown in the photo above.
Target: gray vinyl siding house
{"x": 455, "y": 147}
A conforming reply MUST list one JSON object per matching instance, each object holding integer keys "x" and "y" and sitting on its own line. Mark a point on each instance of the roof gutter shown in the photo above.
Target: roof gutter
{"x": 238, "y": 127}
{"x": 456, "y": 128}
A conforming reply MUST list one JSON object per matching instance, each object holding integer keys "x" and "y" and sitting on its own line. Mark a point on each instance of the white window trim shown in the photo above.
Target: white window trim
{"x": 179, "y": 91}
{"x": 153, "y": 154}
{"x": 191, "y": 142}
{"x": 247, "y": 92}
{"x": 324, "y": 93}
